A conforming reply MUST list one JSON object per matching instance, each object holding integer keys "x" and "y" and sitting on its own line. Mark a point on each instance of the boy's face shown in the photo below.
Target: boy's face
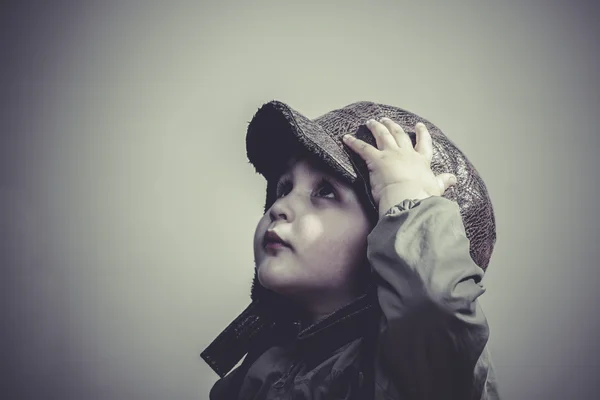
{"x": 326, "y": 228}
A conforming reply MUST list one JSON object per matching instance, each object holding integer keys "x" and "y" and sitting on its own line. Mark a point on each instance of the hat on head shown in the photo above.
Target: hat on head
{"x": 276, "y": 131}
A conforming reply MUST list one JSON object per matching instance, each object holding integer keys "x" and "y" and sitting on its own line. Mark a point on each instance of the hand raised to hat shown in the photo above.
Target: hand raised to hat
{"x": 397, "y": 170}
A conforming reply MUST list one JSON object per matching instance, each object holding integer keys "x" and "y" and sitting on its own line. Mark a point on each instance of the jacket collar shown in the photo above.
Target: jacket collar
{"x": 350, "y": 322}
{"x": 261, "y": 322}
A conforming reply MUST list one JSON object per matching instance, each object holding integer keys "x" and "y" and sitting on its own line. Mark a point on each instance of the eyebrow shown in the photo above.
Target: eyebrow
{"x": 323, "y": 174}
{"x": 318, "y": 165}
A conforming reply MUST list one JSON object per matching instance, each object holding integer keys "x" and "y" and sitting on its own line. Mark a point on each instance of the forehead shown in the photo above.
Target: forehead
{"x": 303, "y": 171}
{"x": 312, "y": 162}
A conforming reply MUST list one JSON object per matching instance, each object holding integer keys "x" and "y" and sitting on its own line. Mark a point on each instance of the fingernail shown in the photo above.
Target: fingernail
{"x": 369, "y": 122}
{"x": 384, "y": 119}
{"x": 347, "y": 137}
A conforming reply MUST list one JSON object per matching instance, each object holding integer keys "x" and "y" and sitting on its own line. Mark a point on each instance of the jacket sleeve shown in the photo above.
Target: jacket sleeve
{"x": 433, "y": 333}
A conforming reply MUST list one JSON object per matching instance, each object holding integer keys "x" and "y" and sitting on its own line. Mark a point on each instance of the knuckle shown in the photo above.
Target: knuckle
{"x": 379, "y": 131}
{"x": 388, "y": 121}
{"x": 396, "y": 130}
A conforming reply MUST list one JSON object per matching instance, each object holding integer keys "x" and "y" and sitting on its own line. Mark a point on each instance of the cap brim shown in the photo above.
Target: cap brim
{"x": 276, "y": 131}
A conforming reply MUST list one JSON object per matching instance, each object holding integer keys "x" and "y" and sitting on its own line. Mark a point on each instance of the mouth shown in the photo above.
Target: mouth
{"x": 272, "y": 240}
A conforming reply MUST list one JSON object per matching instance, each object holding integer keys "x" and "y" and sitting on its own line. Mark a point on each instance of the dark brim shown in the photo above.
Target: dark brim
{"x": 277, "y": 131}
{"x": 269, "y": 143}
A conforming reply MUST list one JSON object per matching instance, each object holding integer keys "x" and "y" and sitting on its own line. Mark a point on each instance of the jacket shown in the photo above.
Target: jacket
{"x": 418, "y": 333}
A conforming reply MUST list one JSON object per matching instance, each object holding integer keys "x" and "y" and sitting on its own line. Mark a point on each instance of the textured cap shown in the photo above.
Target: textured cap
{"x": 277, "y": 130}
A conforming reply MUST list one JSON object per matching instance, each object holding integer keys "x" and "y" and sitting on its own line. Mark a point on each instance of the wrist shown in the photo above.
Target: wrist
{"x": 396, "y": 194}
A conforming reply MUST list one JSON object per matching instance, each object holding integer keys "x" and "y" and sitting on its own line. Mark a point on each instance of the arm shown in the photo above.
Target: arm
{"x": 433, "y": 332}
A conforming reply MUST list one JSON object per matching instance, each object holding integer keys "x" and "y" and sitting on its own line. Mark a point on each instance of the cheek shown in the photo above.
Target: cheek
{"x": 334, "y": 242}
{"x": 350, "y": 247}
{"x": 312, "y": 231}
{"x": 259, "y": 233}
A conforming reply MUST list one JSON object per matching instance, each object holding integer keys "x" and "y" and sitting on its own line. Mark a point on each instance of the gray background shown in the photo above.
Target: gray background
{"x": 127, "y": 206}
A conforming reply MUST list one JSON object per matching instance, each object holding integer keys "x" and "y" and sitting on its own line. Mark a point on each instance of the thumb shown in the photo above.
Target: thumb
{"x": 446, "y": 180}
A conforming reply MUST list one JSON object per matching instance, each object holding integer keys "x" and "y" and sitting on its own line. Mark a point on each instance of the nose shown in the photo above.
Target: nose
{"x": 282, "y": 209}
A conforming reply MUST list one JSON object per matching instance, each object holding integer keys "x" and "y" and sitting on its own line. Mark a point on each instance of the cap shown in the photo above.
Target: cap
{"x": 277, "y": 130}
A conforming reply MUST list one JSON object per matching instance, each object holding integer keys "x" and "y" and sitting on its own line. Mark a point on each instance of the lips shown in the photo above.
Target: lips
{"x": 272, "y": 239}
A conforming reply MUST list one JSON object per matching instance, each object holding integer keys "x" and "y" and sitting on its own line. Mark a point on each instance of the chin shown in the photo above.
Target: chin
{"x": 277, "y": 279}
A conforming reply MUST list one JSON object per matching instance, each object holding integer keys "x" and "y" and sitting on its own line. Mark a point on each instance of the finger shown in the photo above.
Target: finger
{"x": 402, "y": 139}
{"x": 363, "y": 149}
{"x": 424, "y": 143}
{"x": 446, "y": 180}
{"x": 382, "y": 135}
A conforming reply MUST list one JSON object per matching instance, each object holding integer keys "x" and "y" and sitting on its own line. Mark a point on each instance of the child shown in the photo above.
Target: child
{"x": 368, "y": 265}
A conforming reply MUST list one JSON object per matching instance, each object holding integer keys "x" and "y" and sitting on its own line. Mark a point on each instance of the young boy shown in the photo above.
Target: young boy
{"x": 368, "y": 263}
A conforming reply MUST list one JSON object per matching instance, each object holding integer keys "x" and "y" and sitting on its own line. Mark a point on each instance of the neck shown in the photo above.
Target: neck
{"x": 322, "y": 307}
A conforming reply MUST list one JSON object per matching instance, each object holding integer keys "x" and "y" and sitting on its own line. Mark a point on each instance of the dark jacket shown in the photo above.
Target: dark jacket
{"x": 418, "y": 333}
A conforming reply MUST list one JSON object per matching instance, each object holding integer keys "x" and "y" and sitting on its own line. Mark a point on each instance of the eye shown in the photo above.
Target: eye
{"x": 326, "y": 189}
{"x": 284, "y": 186}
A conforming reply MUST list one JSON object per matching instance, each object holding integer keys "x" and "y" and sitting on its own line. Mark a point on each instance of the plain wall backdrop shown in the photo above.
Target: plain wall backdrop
{"x": 127, "y": 205}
